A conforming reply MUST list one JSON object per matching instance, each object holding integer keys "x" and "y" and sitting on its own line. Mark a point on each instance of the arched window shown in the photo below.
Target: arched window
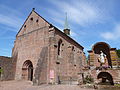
{"x": 72, "y": 48}
{"x": 59, "y": 46}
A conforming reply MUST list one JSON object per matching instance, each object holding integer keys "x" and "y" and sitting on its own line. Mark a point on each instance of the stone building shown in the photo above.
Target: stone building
{"x": 108, "y": 72}
{"x": 44, "y": 54}
{"x": 111, "y": 55}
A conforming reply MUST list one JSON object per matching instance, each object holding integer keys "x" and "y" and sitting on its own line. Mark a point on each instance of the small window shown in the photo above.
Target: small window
{"x": 59, "y": 46}
{"x": 72, "y": 48}
{"x": 31, "y": 18}
{"x": 25, "y": 26}
{"x": 37, "y": 20}
{"x": 75, "y": 65}
{"x": 57, "y": 62}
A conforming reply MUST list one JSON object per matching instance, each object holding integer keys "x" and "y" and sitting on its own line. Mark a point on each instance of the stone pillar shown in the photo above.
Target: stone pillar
{"x": 52, "y": 58}
{"x": 114, "y": 58}
{"x": 91, "y": 58}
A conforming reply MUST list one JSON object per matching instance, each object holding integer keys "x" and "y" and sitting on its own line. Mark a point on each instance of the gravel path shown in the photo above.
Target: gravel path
{"x": 27, "y": 85}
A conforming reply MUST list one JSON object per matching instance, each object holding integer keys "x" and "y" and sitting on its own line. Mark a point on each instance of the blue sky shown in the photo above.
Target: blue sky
{"x": 90, "y": 21}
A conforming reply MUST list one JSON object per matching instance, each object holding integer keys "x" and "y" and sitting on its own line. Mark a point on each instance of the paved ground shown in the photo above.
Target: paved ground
{"x": 26, "y": 85}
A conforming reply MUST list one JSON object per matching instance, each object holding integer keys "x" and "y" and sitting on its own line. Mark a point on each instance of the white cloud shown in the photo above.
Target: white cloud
{"x": 79, "y": 12}
{"x": 91, "y": 45}
{"x": 11, "y": 21}
{"x": 59, "y": 21}
{"x": 73, "y": 34}
{"x": 113, "y": 34}
{"x": 10, "y": 17}
{"x": 108, "y": 35}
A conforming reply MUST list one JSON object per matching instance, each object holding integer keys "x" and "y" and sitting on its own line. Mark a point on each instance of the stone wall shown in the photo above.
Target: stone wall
{"x": 37, "y": 41}
{"x": 7, "y": 65}
{"x": 115, "y": 73}
{"x": 111, "y": 56}
{"x": 29, "y": 45}
{"x": 114, "y": 58}
{"x": 41, "y": 68}
{"x": 67, "y": 64}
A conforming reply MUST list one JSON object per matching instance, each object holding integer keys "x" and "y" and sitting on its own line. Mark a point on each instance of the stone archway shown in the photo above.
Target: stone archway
{"x": 102, "y": 46}
{"x": 106, "y": 78}
{"x": 27, "y": 70}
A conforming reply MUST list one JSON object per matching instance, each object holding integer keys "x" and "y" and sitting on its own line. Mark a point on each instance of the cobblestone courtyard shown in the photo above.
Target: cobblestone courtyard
{"x": 26, "y": 85}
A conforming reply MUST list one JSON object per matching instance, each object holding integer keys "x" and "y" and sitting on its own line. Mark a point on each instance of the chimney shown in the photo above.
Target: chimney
{"x": 67, "y": 31}
{"x": 66, "y": 27}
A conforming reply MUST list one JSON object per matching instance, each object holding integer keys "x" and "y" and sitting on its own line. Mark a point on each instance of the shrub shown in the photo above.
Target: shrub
{"x": 88, "y": 79}
{"x": 1, "y": 70}
{"x": 118, "y": 53}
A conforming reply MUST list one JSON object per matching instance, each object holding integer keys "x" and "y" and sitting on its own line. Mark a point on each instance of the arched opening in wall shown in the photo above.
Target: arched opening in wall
{"x": 106, "y": 78}
{"x": 105, "y": 48}
{"x": 27, "y": 70}
{"x": 59, "y": 47}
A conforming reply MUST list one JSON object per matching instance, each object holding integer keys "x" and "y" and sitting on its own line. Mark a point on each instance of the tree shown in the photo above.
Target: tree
{"x": 118, "y": 53}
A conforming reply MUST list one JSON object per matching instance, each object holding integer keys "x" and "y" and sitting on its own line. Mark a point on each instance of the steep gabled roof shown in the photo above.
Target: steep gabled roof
{"x": 68, "y": 37}
{"x": 28, "y": 18}
{"x": 50, "y": 26}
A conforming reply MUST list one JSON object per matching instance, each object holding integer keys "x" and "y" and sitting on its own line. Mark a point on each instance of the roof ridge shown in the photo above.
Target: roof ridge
{"x": 33, "y": 10}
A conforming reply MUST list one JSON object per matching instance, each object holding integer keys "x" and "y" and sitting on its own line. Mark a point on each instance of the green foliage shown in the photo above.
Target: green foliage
{"x": 118, "y": 53}
{"x": 118, "y": 85}
{"x": 87, "y": 59}
{"x": 88, "y": 79}
{"x": 1, "y": 70}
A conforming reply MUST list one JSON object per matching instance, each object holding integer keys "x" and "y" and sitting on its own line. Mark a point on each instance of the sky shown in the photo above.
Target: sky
{"x": 90, "y": 21}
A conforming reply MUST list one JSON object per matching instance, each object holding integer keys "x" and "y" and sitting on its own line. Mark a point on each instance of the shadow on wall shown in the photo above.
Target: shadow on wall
{"x": 41, "y": 68}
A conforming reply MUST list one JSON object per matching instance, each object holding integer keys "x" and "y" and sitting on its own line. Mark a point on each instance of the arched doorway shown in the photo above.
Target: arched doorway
{"x": 106, "y": 78}
{"x": 105, "y": 48}
{"x": 27, "y": 70}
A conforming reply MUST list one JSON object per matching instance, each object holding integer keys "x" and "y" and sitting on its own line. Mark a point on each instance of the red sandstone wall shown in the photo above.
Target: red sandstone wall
{"x": 39, "y": 44}
{"x": 70, "y": 58}
{"x": 29, "y": 44}
{"x": 7, "y": 65}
